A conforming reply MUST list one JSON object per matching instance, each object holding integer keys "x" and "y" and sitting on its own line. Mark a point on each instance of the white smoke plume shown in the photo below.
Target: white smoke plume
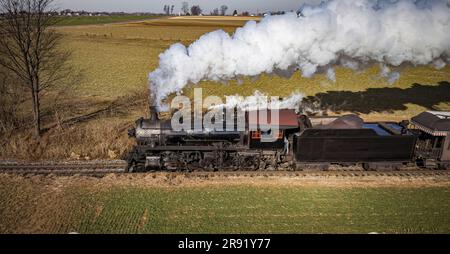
{"x": 260, "y": 100}
{"x": 350, "y": 33}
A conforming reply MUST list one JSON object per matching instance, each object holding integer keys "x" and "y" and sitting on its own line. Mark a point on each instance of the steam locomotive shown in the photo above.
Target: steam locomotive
{"x": 301, "y": 143}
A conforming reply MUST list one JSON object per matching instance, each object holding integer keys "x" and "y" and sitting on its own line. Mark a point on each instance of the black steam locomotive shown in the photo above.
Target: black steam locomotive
{"x": 301, "y": 143}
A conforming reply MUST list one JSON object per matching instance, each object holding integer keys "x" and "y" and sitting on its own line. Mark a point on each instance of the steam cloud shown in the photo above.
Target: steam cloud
{"x": 260, "y": 100}
{"x": 350, "y": 33}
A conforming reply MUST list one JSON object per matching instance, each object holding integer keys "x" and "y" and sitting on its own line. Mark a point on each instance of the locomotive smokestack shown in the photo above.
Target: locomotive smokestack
{"x": 154, "y": 113}
{"x": 153, "y": 108}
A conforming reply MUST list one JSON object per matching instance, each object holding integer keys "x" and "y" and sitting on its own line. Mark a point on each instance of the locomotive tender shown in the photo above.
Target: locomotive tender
{"x": 301, "y": 143}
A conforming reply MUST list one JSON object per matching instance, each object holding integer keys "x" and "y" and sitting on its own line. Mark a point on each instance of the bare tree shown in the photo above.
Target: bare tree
{"x": 196, "y": 10}
{"x": 185, "y": 8}
{"x": 223, "y": 10}
{"x": 30, "y": 49}
{"x": 171, "y": 8}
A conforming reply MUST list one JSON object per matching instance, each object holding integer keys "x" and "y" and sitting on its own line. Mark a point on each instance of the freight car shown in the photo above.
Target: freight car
{"x": 300, "y": 143}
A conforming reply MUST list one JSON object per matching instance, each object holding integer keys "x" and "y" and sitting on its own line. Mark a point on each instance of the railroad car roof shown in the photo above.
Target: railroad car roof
{"x": 433, "y": 122}
{"x": 287, "y": 118}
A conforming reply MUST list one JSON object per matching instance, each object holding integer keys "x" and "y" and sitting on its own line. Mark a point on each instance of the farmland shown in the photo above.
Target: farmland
{"x": 163, "y": 204}
{"x": 90, "y": 120}
{"x": 114, "y": 61}
{"x": 90, "y": 20}
{"x": 119, "y": 57}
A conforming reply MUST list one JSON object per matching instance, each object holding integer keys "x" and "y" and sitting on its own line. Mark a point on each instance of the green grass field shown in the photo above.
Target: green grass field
{"x": 146, "y": 205}
{"x": 246, "y": 209}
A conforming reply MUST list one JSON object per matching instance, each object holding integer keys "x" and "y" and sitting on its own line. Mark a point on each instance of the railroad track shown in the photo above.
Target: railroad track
{"x": 320, "y": 174}
{"x": 64, "y": 168}
{"x": 103, "y": 168}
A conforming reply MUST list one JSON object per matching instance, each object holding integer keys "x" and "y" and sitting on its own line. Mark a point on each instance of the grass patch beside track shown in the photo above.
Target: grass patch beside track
{"x": 244, "y": 209}
{"x": 155, "y": 204}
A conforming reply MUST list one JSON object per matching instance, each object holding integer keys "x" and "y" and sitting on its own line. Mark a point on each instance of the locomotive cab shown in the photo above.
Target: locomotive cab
{"x": 264, "y": 137}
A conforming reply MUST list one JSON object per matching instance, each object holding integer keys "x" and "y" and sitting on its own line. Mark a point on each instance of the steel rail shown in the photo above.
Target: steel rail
{"x": 103, "y": 168}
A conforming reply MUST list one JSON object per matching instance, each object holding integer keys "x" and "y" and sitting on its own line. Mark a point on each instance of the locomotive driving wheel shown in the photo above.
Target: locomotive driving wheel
{"x": 248, "y": 162}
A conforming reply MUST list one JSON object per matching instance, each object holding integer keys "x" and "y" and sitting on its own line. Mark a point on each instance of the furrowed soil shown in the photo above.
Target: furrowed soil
{"x": 164, "y": 203}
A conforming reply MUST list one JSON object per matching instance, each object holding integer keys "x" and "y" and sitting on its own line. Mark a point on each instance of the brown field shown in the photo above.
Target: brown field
{"x": 90, "y": 120}
{"x": 221, "y": 18}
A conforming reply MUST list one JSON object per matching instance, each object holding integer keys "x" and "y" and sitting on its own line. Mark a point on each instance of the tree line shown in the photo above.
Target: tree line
{"x": 194, "y": 10}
